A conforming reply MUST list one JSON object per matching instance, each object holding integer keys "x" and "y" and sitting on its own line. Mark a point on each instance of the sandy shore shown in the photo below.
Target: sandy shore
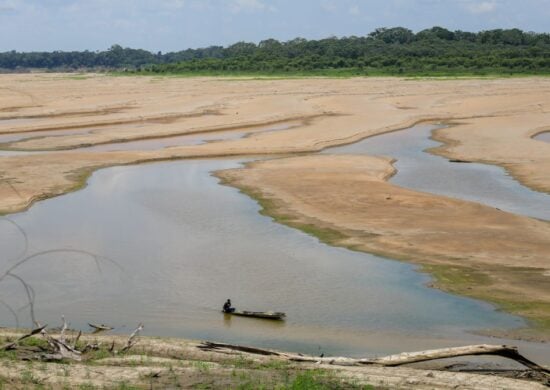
{"x": 471, "y": 249}
{"x": 178, "y": 363}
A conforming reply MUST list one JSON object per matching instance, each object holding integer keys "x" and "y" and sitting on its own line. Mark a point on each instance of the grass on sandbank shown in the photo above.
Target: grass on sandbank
{"x": 336, "y": 73}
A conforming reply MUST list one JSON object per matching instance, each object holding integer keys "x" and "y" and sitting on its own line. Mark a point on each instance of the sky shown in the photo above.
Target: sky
{"x": 173, "y": 25}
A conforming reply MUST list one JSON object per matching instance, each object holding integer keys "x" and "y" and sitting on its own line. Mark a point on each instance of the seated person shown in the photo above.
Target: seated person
{"x": 227, "y": 307}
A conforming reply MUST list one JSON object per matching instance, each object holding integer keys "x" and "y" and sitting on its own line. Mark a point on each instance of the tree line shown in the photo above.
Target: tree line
{"x": 386, "y": 51}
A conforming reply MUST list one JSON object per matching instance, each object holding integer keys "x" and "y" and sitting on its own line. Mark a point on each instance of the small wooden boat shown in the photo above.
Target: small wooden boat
{"x": 456, "y": 160}
{"x": 266, "y": 315}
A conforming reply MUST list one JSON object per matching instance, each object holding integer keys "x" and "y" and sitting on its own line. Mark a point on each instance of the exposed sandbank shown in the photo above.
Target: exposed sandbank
{"x": 133, "y": 108}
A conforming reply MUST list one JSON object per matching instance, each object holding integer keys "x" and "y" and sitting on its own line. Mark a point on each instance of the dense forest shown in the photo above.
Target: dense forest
{"x": 384, "y": 51}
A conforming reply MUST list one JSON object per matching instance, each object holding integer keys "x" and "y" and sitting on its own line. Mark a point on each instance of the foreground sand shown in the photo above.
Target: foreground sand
{"x": 176, "y": 363}
{"x": 471, "y": 249}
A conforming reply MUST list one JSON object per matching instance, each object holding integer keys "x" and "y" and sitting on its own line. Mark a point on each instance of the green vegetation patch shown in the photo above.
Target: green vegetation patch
{"x": 384, "y": 52}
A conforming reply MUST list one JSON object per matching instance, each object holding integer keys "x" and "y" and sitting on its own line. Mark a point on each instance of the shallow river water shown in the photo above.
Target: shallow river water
{"x": 178, "y": 244}
{"x": 422, "y": 171}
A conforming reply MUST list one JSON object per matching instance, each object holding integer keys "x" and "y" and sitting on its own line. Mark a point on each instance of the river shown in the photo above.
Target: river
{"x": 176, "y": 244}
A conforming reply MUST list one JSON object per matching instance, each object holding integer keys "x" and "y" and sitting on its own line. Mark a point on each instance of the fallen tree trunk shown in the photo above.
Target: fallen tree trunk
{"x": 509, "y": 352}
{"x": 210, "y": 346}
{"x": 505, "y": 351}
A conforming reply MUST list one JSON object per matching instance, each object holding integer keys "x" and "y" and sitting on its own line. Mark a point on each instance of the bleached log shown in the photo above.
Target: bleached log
{"x": 208, "y": 345}
{"x": 63, "y": 349}
{"x": 505, "y": 351}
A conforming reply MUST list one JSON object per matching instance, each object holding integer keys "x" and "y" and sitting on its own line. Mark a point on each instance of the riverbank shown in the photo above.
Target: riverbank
{"x": 179, "y": 363}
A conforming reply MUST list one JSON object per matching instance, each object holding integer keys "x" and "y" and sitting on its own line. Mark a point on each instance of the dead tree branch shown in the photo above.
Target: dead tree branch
{"x": 61, "y": 348}
{"x": 132, "y": 340}
{"x": 14, "y": 343}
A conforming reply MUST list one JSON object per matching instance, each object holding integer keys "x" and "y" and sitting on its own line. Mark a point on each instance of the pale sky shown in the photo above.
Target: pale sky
{"x": 172, "y": 25}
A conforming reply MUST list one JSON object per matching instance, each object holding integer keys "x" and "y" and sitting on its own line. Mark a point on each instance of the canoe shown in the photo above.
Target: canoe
{"x": 267, "y": 315}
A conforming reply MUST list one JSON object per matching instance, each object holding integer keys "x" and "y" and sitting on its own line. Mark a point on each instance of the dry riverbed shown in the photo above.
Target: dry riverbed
{"x": 471, "y": 249}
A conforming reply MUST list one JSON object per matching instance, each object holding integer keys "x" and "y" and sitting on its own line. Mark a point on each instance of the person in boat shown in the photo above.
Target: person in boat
{"x": 227, "y": 307}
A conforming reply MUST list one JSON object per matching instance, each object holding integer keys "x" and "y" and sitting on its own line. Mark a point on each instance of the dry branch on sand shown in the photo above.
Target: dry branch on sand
{"x": 61, "y": 348}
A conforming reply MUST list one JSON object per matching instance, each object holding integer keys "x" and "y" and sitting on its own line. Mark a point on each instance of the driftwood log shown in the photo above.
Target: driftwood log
{"x": 505, "y": 351}
{"x": 62, "y": 349}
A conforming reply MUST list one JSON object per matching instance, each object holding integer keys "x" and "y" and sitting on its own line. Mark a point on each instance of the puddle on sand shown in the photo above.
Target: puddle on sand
{"x": 422, "y": 171}
{"x": 5, "y": 124}
{"x": 5, "y": 138}
{"x": 183, "y": 140}
{"x": 147, "y": 144}
{"x": 543, "y": 136}
{"x": 185, "y": 244}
